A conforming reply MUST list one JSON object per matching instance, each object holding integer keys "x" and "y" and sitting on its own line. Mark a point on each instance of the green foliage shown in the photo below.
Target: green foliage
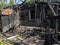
{"x": 1, "y": 43}
{"x": 5, "y": 42}
{"x": 11, "y": 2}
{"x": 1, "y": 39}
{"x": 18, "y": 36}
{"x": 28, "y": 1}
{"x": 4, "y": 3}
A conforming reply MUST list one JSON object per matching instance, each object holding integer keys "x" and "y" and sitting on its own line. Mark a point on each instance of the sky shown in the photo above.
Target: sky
{"x": 18, "y": 1}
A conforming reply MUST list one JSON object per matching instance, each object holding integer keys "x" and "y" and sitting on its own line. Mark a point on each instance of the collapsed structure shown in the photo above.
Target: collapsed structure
{"x": 41, "y": 15}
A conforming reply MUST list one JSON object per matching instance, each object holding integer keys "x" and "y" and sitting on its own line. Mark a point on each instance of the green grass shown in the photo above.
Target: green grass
{"x": 18, "y": 36}
{"x": 1, "y": 43}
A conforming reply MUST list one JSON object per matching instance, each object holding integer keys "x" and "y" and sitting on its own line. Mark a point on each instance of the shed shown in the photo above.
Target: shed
{"x": 8, "y": 21}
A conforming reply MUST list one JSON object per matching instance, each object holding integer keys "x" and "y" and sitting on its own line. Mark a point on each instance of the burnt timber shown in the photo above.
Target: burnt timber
{"x": 43, "y": 14}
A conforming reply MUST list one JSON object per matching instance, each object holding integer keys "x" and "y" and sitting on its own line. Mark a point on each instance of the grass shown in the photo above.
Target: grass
{"x": 18, "y": 36}
{"x": 5, "y": 42}
{"x": 1, "y": 43}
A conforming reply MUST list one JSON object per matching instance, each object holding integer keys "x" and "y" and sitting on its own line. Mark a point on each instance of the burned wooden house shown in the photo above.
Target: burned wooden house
{"x": 35, "y": 13}
{"x": 38, "y": 14}
{"x": 44, "y": 14}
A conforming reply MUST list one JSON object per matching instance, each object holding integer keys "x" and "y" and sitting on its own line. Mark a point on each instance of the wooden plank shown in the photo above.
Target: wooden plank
{"x": 36, "y": 27}
{"x": 52, "y": 9}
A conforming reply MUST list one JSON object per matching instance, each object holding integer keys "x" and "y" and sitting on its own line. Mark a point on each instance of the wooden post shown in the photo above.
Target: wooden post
{"x": 29, "y": 13}
{"x": 0, "y": 22}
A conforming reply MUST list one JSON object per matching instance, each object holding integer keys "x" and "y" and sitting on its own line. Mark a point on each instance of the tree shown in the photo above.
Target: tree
{"x": 28, "y": 1}
{"x": 3, "y": 3}
{"x": 11, "y": 2}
